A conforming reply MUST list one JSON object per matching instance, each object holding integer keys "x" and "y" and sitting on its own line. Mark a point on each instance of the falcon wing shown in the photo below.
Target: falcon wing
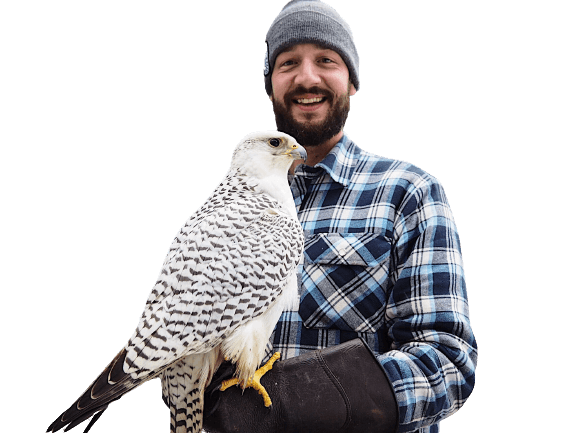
{"x": 228, "y": 269}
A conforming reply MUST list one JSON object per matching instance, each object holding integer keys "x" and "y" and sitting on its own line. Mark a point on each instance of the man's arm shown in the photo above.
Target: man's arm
{"x": 342, "y": 388}
{"x": 432, "y": 362}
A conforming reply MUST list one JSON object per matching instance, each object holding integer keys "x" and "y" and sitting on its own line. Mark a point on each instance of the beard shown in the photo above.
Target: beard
{"x": 307, "y": 133}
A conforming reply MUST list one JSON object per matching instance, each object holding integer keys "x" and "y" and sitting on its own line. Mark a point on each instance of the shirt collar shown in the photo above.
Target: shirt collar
{"x": 339, "y": 163}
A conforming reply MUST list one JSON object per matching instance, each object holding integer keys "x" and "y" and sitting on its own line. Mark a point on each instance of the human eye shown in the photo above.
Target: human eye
{"x": 285, "y": 62}
{"x": 288, "y": 63}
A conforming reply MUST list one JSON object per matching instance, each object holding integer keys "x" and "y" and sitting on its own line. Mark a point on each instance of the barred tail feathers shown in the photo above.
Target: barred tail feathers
{"x": 183, "y": 385}
{"x": 186, "y": 415}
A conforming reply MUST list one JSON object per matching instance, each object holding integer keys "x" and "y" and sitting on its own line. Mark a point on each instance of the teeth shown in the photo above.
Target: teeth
{"x": 309, "y": 101}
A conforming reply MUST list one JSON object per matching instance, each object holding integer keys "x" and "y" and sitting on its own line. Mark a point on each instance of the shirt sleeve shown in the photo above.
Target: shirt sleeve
{"x": 432, "y": 362}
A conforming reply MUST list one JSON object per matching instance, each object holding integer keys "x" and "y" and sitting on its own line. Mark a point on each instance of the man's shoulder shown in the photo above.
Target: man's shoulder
{"x": 373, "y": 166}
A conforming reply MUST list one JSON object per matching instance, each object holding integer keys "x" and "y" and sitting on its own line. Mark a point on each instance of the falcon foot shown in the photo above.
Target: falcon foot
{"x": 254, "y": 382}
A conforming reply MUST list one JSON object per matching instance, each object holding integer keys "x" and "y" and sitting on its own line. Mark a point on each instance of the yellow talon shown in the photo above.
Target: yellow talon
{"x": 254, "y": 381}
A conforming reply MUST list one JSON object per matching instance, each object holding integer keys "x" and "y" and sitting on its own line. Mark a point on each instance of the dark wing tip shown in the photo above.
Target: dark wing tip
{"x": 97, "y": 397}
{"x": 94, "y": 419}
{"x": 99, "y": 411}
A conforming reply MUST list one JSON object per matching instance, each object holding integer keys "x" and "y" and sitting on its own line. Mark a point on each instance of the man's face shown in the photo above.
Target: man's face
{"x": 311, "y": 92}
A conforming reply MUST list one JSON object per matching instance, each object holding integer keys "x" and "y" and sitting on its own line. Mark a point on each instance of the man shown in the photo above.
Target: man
{"x": 381, "y": 340}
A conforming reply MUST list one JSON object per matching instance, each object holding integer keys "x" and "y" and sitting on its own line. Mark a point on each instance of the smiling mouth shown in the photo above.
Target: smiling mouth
{"x": 307, "y": 101}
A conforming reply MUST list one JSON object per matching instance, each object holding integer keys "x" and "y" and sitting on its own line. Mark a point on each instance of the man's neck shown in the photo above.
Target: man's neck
{"x": 316, "y": 154}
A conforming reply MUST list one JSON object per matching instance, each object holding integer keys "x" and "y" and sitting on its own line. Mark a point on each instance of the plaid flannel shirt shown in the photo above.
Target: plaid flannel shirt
{"x": 382, "y": 261}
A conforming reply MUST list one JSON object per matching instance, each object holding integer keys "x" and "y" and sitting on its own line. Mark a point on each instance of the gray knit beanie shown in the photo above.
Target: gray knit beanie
{"x": 310, "y": 21}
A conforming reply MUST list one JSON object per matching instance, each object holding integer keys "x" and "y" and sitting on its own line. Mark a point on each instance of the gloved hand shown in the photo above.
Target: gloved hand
{"x": 338, "y": 389}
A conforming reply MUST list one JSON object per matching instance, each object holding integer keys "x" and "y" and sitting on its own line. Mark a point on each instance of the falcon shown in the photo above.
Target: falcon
{"x": 229, "y": 274}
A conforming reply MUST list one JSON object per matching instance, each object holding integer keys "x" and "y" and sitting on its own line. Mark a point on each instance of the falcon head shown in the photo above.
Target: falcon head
{"x": 266, "y": 153}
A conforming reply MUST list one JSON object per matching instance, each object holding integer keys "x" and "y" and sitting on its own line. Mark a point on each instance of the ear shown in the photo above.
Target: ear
{"x": 352, "y": 89}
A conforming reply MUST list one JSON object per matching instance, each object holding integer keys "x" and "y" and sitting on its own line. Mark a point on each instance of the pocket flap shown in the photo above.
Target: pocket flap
{"x": 361, "y": 249}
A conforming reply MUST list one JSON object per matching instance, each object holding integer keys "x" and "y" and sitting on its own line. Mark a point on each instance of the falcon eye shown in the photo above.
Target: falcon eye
{"x": 274, "y": 142}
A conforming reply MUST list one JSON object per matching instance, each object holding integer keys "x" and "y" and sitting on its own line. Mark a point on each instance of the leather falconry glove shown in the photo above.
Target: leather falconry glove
{"x": 338, "y": 389}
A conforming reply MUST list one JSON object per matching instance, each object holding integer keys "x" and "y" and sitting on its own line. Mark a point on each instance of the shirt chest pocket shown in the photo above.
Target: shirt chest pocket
{"x": 344, "y": 281}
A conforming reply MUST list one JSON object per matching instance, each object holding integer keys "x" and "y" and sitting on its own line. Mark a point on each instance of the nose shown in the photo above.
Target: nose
{"x": 307, "y": 74}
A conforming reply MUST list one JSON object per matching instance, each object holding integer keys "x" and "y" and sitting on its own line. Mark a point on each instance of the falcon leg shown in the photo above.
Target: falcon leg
{"x": 254, "y": 382}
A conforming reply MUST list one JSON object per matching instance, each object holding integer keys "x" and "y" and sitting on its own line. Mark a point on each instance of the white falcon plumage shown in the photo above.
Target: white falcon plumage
{"x": 227, "y": 277}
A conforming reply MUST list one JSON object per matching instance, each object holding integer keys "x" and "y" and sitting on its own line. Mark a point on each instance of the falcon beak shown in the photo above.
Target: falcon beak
{"x": 297, "y": 152}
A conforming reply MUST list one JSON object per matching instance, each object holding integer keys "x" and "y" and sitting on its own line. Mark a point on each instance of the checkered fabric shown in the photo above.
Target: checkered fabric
{"x": 382, "y": 261}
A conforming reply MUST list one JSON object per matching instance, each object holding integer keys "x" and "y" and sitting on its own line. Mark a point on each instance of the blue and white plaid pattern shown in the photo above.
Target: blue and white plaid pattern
{"x": 383, "y": 262}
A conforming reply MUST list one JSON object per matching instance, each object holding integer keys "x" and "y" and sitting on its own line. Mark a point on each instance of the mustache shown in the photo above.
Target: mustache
{"x": 300, "y": 90}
